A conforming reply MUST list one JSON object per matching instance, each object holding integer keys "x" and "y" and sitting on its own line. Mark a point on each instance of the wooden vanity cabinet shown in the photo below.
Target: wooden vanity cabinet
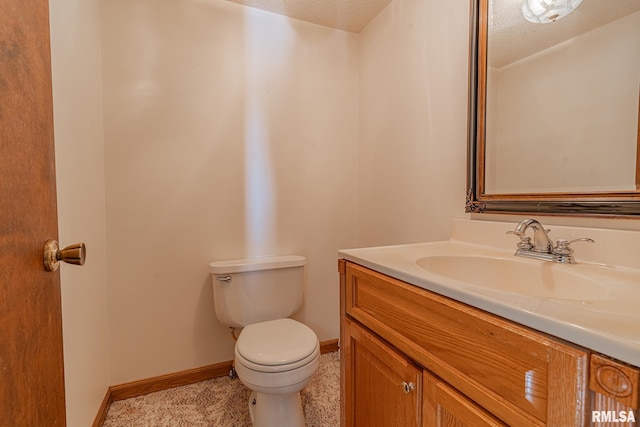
{"x": 468, "y": 367}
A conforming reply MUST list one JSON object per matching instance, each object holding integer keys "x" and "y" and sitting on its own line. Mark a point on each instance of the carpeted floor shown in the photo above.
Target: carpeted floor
{"x": 223, "y": 402}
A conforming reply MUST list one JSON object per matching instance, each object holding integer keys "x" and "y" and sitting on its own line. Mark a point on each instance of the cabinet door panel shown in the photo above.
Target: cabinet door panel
{"x": 374, "y": 391}
{"x": 445, "y": 407}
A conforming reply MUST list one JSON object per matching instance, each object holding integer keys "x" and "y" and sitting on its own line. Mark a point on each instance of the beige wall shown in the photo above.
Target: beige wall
{"x": 77, "y": 101}
{"x": 204, "y": 114}
{"x": 229, "y": 132}
{"x": 413, "y": 122}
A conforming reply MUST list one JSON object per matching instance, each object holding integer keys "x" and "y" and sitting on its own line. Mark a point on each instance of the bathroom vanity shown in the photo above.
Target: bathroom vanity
{"x": 423, "y": 350}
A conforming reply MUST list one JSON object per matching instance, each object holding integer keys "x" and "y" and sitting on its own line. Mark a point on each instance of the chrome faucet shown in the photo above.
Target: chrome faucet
{"x": 541, "y": 241}
{"x": 542, "y": 247}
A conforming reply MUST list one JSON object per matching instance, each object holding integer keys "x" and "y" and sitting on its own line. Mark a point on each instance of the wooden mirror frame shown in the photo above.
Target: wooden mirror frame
{"x": 604, "y": 204}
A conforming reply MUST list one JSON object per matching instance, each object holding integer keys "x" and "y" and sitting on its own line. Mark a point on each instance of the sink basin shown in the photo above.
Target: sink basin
{"x": 540, "y": 279}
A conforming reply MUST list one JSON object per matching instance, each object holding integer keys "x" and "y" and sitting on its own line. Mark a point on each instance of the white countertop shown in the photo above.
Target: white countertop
{"x": 610, "y": 325}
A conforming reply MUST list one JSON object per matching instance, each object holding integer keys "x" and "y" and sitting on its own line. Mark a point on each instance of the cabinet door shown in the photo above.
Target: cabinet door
{"x": 382, "y": 387}
{"x": 446, "y": 407}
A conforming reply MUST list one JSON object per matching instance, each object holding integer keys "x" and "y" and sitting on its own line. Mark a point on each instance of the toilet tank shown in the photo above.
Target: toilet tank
{"x": 252, "y": 290}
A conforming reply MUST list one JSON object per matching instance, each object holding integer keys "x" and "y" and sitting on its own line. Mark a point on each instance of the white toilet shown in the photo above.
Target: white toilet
{"x": 274, "y": 356}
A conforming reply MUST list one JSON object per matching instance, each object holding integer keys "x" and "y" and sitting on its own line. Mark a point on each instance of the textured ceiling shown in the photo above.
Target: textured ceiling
{"x": 512, "y": 37}
{"x": 347, "y": 15}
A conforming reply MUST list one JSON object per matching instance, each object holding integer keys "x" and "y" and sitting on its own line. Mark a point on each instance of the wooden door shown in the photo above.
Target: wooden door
{"x": 382, "y": 387}
{"x": 31, "y": 362}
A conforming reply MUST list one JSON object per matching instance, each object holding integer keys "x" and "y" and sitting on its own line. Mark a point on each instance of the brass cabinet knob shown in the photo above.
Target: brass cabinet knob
{"x": 72, "y": 254}
{"x": 408, "y": 387}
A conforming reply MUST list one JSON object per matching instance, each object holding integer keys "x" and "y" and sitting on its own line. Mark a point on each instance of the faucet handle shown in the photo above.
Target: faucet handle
{"x": 525, "y": 241}
{"x": 563, "y": 246}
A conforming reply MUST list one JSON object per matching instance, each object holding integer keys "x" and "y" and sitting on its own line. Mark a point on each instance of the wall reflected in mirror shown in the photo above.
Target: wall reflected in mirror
{"x": 562, "y": 100}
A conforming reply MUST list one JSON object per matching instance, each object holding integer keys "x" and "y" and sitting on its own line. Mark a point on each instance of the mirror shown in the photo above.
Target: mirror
{"x": 555, "y": 110}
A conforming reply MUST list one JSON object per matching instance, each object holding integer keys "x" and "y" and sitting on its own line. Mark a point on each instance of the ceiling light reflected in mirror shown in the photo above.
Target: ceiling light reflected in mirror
{"x": 547, "y": 11}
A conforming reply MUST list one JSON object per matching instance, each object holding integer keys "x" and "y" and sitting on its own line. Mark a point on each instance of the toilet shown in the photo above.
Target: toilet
{"x": 275, "y": 356}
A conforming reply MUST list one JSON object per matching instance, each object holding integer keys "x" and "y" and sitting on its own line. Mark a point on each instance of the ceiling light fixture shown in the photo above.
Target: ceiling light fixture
{"x": 545, "y": 11}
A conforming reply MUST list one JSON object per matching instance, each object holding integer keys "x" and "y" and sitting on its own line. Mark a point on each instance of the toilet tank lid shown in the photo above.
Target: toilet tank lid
{"x": 256, "y": 264}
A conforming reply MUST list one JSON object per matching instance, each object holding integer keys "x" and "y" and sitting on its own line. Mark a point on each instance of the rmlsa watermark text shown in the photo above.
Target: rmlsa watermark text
{"x": 613, "y": 416}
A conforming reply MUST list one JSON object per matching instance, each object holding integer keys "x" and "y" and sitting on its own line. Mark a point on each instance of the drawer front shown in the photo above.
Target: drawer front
{"x": 510, "y": 370}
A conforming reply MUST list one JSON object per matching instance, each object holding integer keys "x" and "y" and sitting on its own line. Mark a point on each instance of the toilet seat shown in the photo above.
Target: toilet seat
{"x": 276, "y": 346}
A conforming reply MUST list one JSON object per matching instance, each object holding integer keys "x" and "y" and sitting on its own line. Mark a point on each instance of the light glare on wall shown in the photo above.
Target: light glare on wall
{"x": 546, "y": 11}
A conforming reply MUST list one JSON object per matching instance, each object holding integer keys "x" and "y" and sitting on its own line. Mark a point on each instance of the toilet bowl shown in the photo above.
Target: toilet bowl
{"x": 276, "y": 359}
